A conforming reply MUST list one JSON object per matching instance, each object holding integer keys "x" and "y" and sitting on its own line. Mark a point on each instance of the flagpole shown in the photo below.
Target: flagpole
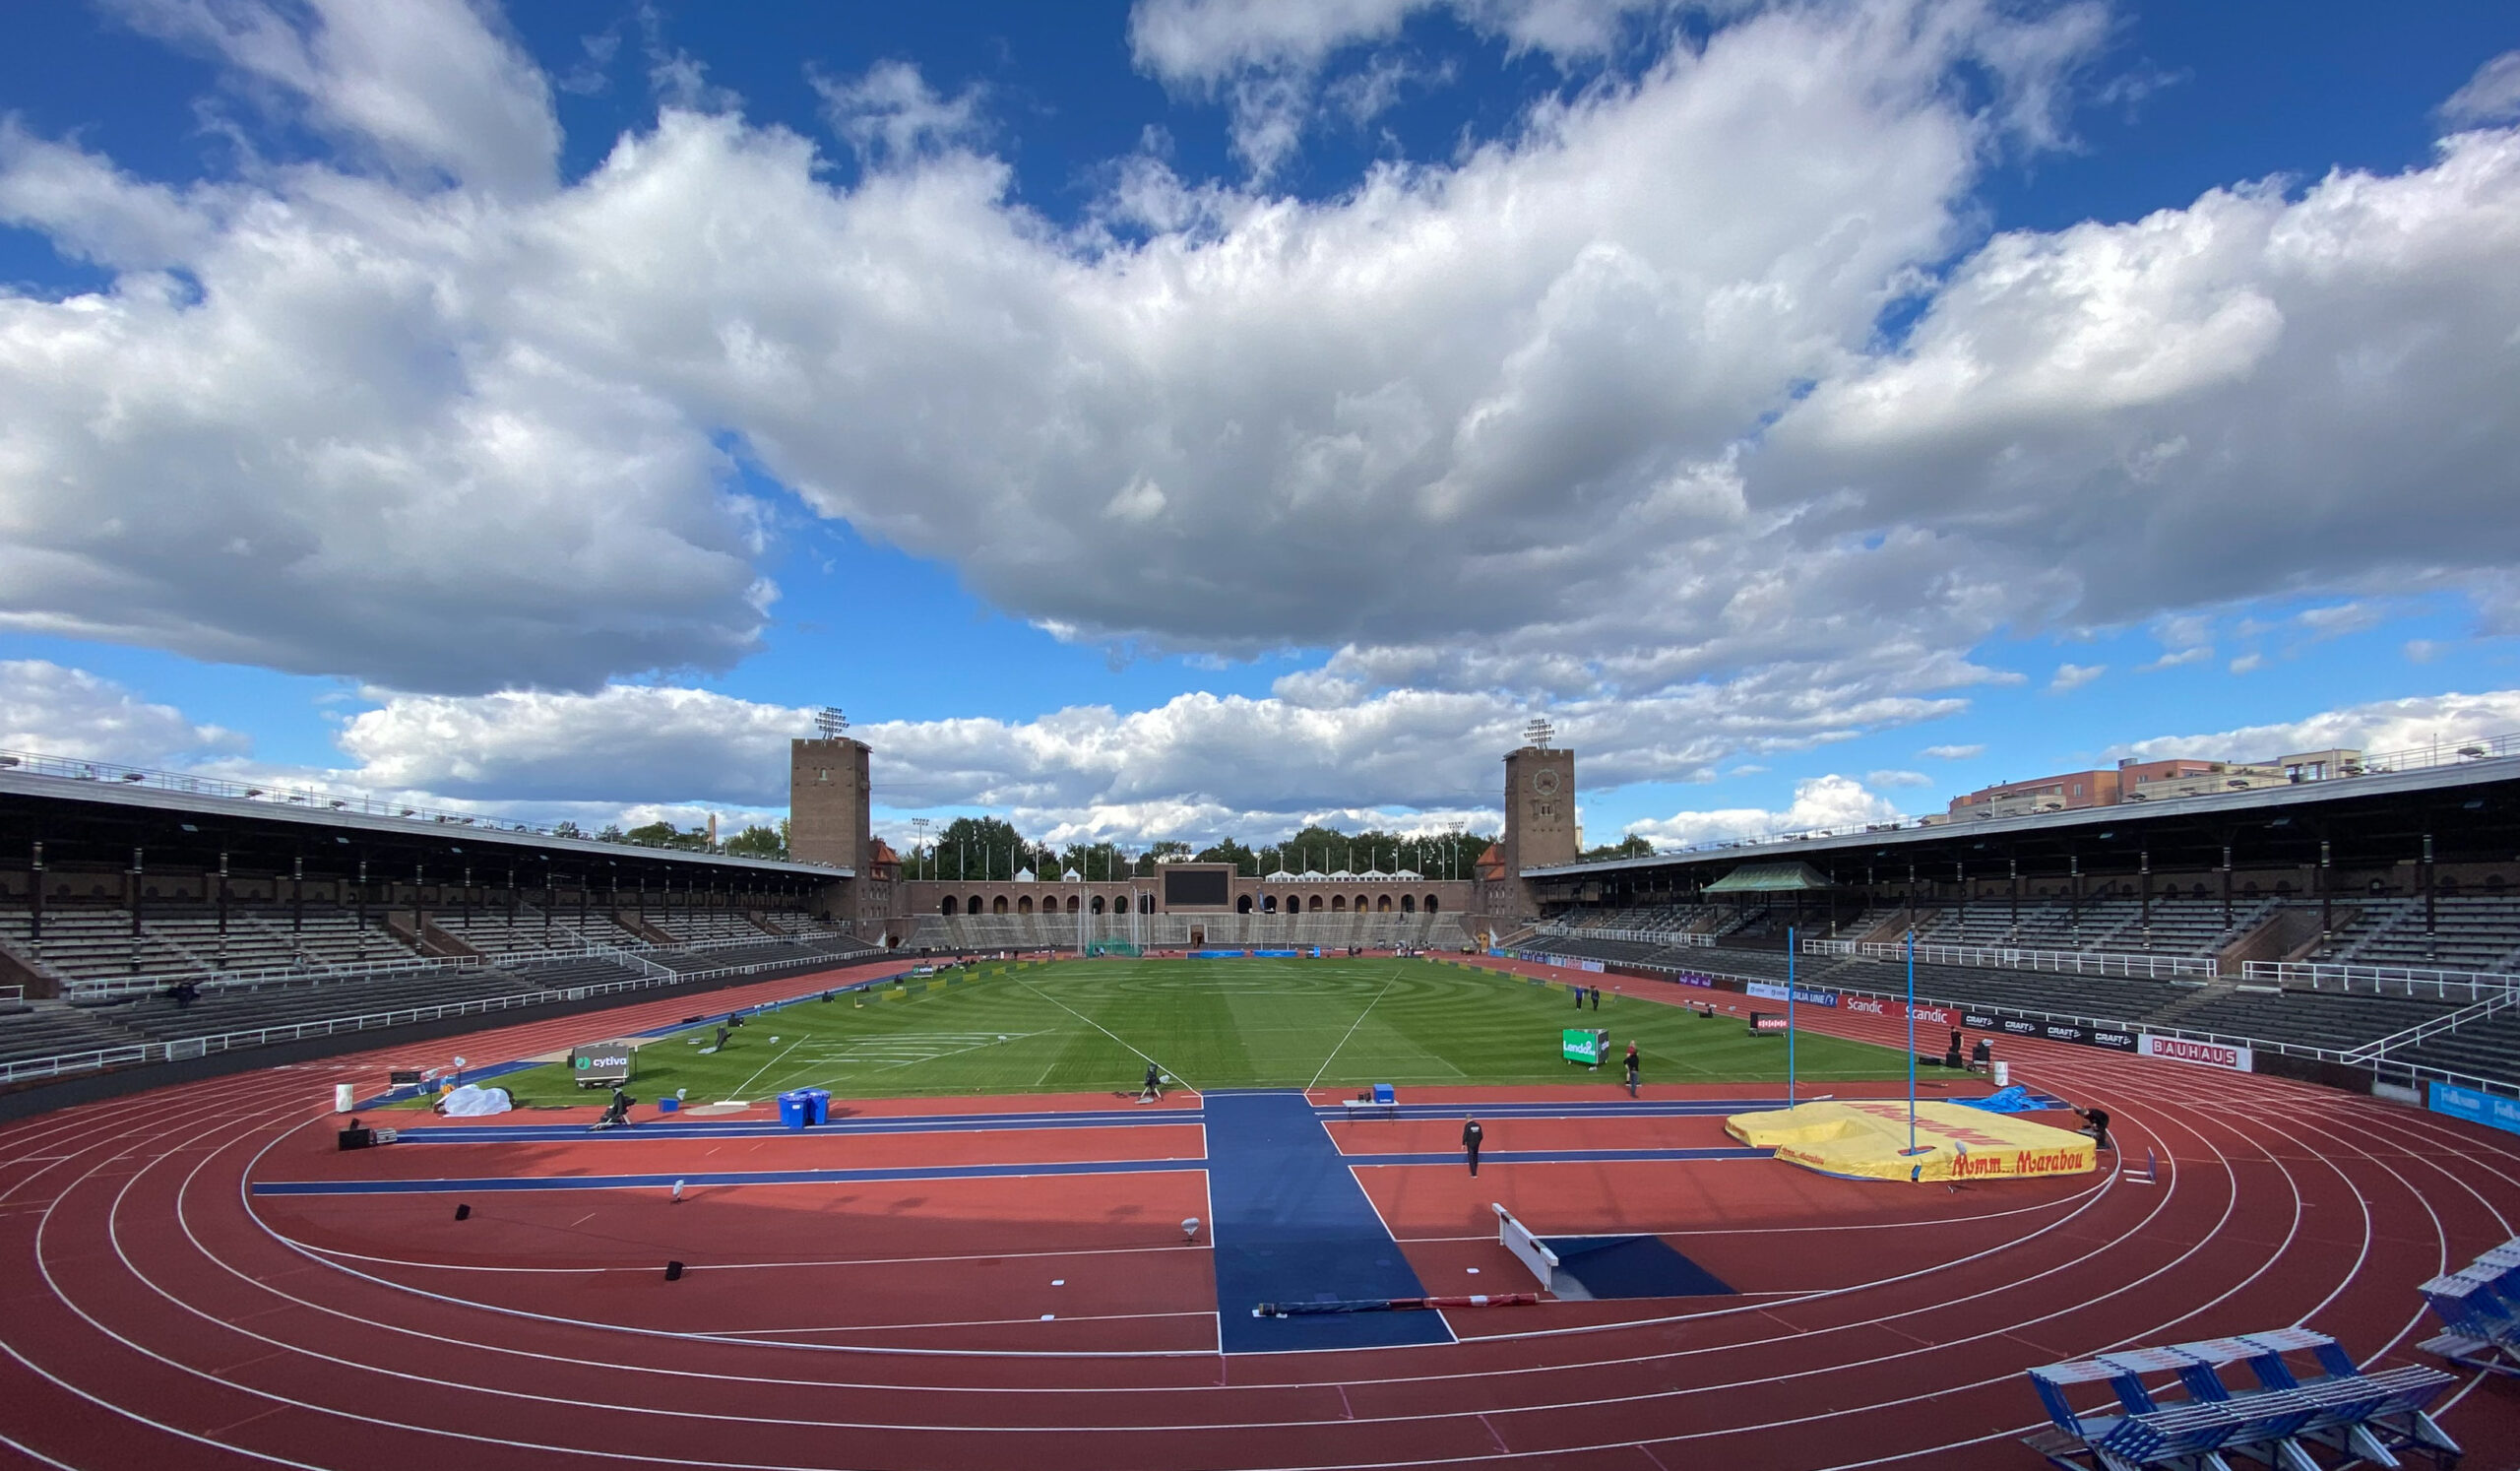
{"x": 1789, "y": 1016}
{"x": 1911, "y": 1041}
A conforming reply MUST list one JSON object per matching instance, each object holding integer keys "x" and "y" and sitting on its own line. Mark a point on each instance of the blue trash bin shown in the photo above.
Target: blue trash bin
{"x": 820, "y": 1101}
{"x": 1383, "y": 1094}
{"x": 795, "y": 1110}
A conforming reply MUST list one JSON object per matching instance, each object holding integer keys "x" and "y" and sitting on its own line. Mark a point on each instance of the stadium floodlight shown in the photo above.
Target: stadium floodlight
{"x": 1539, "y": 731}
{"x": 830, "y": 722}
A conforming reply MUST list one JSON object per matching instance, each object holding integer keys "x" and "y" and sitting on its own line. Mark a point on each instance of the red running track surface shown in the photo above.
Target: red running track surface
{"x": 154, "y": 1316}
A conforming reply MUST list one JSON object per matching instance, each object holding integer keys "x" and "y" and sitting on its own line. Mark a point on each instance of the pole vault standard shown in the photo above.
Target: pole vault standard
{"x": 1911, "y": 1041}
{"x": 1788, "y": 1017}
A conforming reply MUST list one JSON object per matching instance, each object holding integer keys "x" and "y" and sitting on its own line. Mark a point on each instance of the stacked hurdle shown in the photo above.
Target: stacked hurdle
{"x": 2335, "y": 1415}
{"x": 2480, "y": 1305}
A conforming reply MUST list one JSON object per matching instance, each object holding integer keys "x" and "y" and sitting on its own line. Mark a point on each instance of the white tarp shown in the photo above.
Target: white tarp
{"x": 470, "y": 1102}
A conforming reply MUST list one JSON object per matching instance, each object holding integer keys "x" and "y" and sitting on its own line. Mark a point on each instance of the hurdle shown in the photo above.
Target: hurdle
{"x": 2369, "y": 1417}
{"x": 2152, "y": 1171}
{"x": 1533, "y": 1253}
{"x": 2479, "y": 1306}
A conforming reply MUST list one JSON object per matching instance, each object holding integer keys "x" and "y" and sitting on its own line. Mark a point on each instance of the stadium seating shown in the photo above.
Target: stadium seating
{"x": 244, "y": 1008}
{"x": 52, "y": 1030}
{"x": 2333, "y": 1407}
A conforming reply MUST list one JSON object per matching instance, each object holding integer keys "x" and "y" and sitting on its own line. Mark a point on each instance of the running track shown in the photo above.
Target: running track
{"x": 148, "y": 1319}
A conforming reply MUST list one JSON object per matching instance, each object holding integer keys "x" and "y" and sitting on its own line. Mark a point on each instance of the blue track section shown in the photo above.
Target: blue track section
{"x": 698, "y": 1128}
{"x": 708, "y": 1178}
{"x": 1292, "y": 1225}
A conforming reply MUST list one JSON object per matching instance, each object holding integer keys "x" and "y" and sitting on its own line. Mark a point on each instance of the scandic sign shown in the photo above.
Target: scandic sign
{"x": 1932, "y": 1016}
{"x": 2210, "y": 1053}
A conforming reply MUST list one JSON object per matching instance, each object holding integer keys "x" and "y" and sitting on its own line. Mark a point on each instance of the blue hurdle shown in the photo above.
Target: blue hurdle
{"x": 2478, "y": 1306}
{"x": 2331, "y": 1414}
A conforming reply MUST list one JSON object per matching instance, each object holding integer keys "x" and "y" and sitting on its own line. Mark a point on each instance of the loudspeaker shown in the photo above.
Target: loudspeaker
{"x": 463, "y": 1213}
{"x": 673, "y": 1271}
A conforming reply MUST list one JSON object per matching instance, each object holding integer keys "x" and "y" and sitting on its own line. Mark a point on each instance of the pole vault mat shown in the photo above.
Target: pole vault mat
{"x": 1870, "y": 1138}
{"x": 1628, "y": 1266}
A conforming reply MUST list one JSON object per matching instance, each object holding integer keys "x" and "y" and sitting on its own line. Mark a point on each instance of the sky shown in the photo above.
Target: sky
{"x": 1181, "y": 418}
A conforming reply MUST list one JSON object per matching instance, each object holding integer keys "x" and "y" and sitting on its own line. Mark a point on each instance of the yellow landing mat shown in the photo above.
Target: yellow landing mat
{"x": 1866, "y": 1138}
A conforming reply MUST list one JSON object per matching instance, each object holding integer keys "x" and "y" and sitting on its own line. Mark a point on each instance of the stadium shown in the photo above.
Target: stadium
{"x": 886, "y": 1176}
{"x": 1589, "y": 736}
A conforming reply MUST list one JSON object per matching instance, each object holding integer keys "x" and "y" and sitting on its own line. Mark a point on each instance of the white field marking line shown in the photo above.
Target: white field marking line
{"x": 887, "y": 1063}
{"x": 1449, "y": 1335}
{"x": 1105, "y": 1031}
{"x": 738, "y": 1336}
{"x": 2158, "y": 1204}
{"x": 738, "y": 1090}
{"x": 22, "y": 1448}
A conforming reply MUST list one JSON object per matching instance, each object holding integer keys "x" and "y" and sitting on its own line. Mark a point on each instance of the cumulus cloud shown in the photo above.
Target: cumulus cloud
{"x": 2073, "y": 676}
{"x": 1822, "y": 802}
{"x": 1594, "y": 416}
{"x": 2492, "y": 96}
{"x": 53, "y": 711}
{"x": 2379, "y": 727}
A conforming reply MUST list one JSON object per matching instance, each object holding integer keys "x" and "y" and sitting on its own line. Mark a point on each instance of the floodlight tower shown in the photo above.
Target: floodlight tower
{"x": 831, "y": 722}
{"x": 926, "y": 864}
{"x": 1537, "y": 732}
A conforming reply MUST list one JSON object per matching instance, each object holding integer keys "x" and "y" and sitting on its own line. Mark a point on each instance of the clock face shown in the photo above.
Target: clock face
{"x": 1545, "y": 782}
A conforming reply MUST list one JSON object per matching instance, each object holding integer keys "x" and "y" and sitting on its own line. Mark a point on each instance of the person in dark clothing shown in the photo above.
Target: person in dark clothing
{"x": 617, "y": 1115}
{"x": 1154, "y": 1089}
{"x": 1470, "y": 1135}
{"x": 2096, "y": 1124}
{"x": 1632, "y": 1069}
{"x": 1597, "y": 998}
{"x": 1579, "y": 996}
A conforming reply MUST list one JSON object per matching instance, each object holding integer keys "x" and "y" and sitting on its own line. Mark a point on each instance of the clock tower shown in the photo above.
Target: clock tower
{"x": 1540, "y": 816}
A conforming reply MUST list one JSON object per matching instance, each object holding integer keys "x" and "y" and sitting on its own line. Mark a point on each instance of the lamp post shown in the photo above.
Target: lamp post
{"x": 927, "y": 865}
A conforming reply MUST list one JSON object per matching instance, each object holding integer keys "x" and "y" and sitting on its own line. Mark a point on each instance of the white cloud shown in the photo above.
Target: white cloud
{"x": 2379, "y": 727}
{"x": 1822, "y": 802}
{"x": 1954, "y": 752}
{"x": 53, "y": 711}
{"x": 1496, "y": 428}
{"x": 2492, "y": 96}
{"x": 2169, "y": 661}
{"x": 2248, "y": 663}
{"x": 1881, "y": 779}
{"x": 891, "y": 114}
{"x": 426, "y": 85}
{"x": 2073, "y": 676}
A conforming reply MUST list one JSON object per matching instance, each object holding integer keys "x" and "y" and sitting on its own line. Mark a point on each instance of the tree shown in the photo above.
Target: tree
{"x": 567, "y": 830}
{"x": 1227, "y": 851}
{"x": 1629, "y": 847}
{"x": 977, "y": 848}
{"x": 756, "y": 841}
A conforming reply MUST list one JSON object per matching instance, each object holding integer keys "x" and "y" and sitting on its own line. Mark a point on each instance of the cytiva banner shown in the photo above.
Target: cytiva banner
{"x": 1770, "y": 991}
{"x": 2476, "y": 1107}
{"x": 2207, "y": 1054}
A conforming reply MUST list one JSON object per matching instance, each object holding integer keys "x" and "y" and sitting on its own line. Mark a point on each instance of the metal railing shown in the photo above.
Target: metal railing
{"x": 2381, "y": 980}
{"x": 1828, "y": 947}
{"x": 2379, "y": 1047}
{"x": 178, "y": 1048}
{"x": 2060, "y": 961}
{"x": 306, "y": 799}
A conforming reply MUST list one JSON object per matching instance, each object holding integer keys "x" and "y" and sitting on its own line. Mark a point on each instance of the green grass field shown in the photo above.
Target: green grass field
{"x": 1090, "y": 1026}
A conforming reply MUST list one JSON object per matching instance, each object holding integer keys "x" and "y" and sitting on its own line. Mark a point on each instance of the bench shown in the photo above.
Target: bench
{"x": 2338, "y": 1407}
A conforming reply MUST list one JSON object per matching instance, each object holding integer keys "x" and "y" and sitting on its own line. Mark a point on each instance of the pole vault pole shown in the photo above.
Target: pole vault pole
{"x": 1911, "y": 1042}
{"x": 1789, "y": 1016}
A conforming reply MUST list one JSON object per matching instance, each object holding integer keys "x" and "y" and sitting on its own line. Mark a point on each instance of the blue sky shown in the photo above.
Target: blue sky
{"x": 1176, "y": 418}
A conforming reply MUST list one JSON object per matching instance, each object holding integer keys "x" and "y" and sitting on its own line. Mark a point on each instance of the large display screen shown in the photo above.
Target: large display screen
{"x": 1196, "y": 889}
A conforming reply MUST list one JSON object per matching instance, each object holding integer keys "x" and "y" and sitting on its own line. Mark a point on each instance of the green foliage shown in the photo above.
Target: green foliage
{"x": 1330, "y": 850}
{"x": 664, "y": 835}
{"x": 1629, "y": 847}
{"x": 760, "y": 842}
{"x": 1227, "y": 851}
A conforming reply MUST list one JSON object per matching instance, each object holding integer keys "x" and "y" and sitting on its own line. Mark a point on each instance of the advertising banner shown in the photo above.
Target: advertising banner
{"x": 1691, "y": 978}
{"x": 1929, "y": 1016}
{"x": 1770, "y": 991}
{"x": 2206, "y": 1054}
{"x": 2476, "y": 1107}
{"x": 1582, "y": 1045}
